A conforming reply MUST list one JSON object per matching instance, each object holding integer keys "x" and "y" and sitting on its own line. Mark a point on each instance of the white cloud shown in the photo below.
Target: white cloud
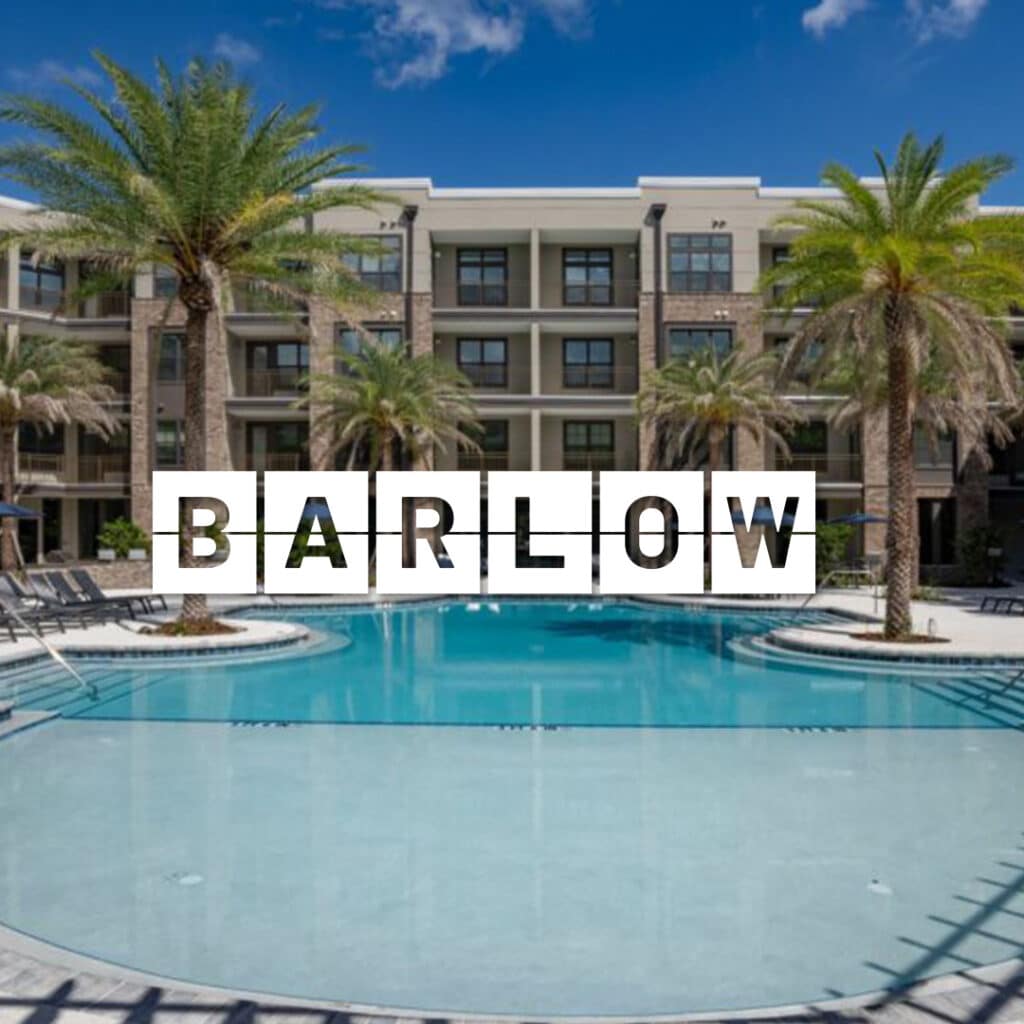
{"x": 927, "y": 18}
{"x": 944, "y": 18}
{"x": 414, "y": 40}
{"x": 829, "y": 14}
{"x": 236, "y": 50}
{"x": 52, "y": 72}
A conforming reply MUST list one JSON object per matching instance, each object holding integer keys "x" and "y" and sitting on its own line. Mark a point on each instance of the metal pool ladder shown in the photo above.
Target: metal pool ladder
{"x": 90, "y": 688}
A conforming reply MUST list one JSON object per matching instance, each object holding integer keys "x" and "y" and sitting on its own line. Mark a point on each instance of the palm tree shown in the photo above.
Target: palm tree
{"x": 186, "y": 176}
{"x": 382, "y": 398}
{"x": 46, "y": 382}
{"x": 901, "y": 278}
{"x": 693, "y": 403}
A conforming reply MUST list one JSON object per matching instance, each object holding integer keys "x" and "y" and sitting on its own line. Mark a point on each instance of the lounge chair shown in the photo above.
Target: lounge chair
{"x": 17, "y": 604}
{"x": 115, "y": 607}
{"x": 93, "y": 590}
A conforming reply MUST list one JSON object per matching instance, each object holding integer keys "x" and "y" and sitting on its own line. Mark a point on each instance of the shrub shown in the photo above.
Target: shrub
{"x": 831, "y": 544}
{"x": 122, "y": 535}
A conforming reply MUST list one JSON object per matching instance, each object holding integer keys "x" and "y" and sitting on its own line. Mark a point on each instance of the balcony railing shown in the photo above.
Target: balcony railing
{"x": 513, "y": 293}
{"x": 483, "y": 461}
{"x": 591, "y": 377}
{"x": 588, "y": 460}
{"x": 103, "y": 469}
{"x": 103, "y": 305}
{"x": 620, "y": 293}
{"x": 833, "y": 469}
{"x": 276, "y": 461}
{"x": 273, "y": 383}
{"x": 486, "y": 375}
{"x": 35, "y": 467}
{"x": 246, "y": 300}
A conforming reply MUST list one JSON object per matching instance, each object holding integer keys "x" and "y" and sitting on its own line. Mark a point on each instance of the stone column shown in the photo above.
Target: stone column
{"x": 875, "y": 449}
{"x": 146, "y": 315}
{"x": 971, "y": 491}
{"x": 647, "y": 360}
{"x": 322, "y": 328}
{"x": 421, "y": 330}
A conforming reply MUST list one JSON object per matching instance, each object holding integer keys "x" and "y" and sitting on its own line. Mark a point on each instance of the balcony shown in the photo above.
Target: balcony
{"x": 40, "y": 468}
{"x": 102, "y": 306}
{"x": 281, "y": 383}
{"x": 594, "y": 461}
{"x": 841, "y": 468}
{"x": 280, "y": 461}
{"x": 248, "y": 300}
{"x": 483, "y": 461}
{"x": 509, "y": 294}
{"x": 103, "y": 469}
{"x": 616, "y": 380}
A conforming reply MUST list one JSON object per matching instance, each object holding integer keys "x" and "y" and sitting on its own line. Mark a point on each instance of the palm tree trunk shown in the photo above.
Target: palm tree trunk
{"x": 8, "y": 548}
{"x": 901, "y": 534}
{"x": 194, "y": 608}
{"x": 716, "y": 442}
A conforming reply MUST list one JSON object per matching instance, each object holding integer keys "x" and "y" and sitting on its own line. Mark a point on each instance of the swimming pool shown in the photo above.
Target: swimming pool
{"x": 530, "y": 808}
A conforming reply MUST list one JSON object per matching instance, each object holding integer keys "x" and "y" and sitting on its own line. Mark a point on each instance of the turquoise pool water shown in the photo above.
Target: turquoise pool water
{"x": 545, "y": 664}
{"x": 558, "y": 810}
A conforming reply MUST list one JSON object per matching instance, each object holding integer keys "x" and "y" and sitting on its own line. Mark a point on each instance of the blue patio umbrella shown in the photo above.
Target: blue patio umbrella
{"x": 762, "y": 516}
{"x": 859, "y": 519}
{"x": 17, "y": 512}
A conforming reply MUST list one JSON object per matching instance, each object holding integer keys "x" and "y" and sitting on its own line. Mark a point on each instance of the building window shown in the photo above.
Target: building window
{"x": 936, "y": 524}
{"x": 170, "y": 444}
{"x": 587, "y": 277}
{"x": 587, "y": 362}
{"x": 170, "y": 366}
{"x": 588, "y": 444}
{"x": 687, "y": 342}
{"x": 276, "y": 367}
{"x": 700, "y": 263}
{"x": 42, "y": 284}
{"x": 165, "y": 282}
{"x": 492, "y": 436}
{"x": 484, "y": 361}
{"x": 352, "y": 341}
{"x": 383, "y": 270}
{"x": 483, "y": 277}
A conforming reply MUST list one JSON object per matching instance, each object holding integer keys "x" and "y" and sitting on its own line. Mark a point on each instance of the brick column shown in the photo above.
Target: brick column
{"x": 647, "y": 360}
{"x": 972, "y": 511}
{"x": 322, "y": 327}
{"x": 875, "y": 448}
{"x": 421, "y": 330}
{"x": 146, "y": 315}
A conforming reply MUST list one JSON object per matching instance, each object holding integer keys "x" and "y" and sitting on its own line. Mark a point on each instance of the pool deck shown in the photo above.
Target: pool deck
{"x": 40, "y": 984}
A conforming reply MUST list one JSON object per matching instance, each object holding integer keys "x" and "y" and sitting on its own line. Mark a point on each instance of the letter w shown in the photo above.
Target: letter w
{"x": 763, "y": 522}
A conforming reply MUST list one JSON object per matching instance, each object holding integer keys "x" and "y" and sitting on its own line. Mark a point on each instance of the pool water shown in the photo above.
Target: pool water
{"x": 534, "y": 663}
{"x": 559, "y": 810}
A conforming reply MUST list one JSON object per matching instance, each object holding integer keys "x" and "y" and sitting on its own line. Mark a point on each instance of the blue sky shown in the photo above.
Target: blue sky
{"x": 584, "y": 92}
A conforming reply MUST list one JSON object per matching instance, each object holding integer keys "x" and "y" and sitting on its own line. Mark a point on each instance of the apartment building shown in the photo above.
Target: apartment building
{"x": 553, "y": 302}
